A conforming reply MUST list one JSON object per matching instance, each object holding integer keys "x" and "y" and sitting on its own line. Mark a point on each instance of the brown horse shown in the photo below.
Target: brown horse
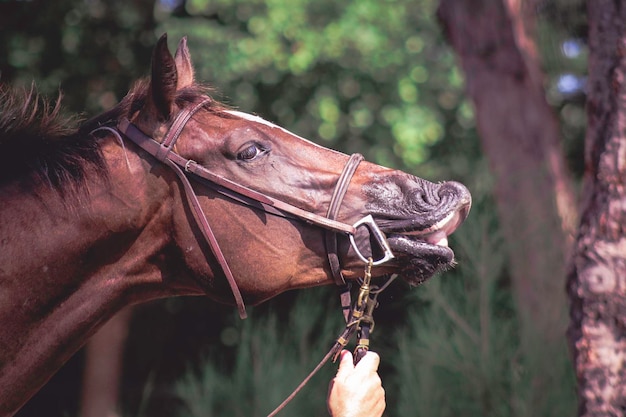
{"x": 91, "y": 222}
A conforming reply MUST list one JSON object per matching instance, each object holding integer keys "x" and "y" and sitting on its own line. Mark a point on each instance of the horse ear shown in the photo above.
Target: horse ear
{"x": 184, "y": 65}
{"x": 164, "y": 78}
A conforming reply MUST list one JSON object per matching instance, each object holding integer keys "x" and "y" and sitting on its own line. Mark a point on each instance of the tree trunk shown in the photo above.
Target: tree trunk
{"x": 520, "y": 136}
{"x": 597, "y": 276}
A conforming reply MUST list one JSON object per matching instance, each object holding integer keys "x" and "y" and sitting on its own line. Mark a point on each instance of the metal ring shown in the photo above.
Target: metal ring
{"x": 379, "y": 237}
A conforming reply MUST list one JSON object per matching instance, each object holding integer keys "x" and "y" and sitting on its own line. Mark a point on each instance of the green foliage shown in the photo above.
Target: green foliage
{"x": 89, "y": 50}
{"x": 274, "y": 352}
{"x": 462, "y": 355}
{"x": 369, "y": 76}
{"x": 453, "y": 350}
{"x": 457, "y": 358}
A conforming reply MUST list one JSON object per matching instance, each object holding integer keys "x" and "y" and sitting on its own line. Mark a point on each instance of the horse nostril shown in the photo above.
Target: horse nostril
{"x": 429, "y": 196}
{"x": 455, "y": 190}
{"x": 426, "y": 197}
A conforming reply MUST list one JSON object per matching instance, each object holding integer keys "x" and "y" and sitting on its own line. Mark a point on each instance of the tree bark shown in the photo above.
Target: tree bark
{"x": 597, "y": 275}
{"x": 521, "y": 138}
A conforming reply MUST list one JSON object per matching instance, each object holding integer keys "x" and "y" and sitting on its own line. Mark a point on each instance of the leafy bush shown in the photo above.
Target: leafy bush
{"x": 274, "y": 352}
{"x": 455, "y": 351}
{"x": 462, "y": 356}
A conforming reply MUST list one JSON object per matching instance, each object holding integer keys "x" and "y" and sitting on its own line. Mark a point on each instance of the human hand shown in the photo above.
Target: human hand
{"x": 356, "y": 391}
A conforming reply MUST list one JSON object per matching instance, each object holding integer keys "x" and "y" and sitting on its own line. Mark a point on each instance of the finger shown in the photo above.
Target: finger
{"x": 370, "y": 362}
{"x": 379, "y": 408}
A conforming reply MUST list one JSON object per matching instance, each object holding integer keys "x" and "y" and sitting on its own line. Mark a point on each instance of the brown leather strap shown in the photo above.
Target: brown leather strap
{"x": 173, "y": 133}
{"x": 224, "y": 185}
{"x": 333, "y": 210}
{"x": 208, "y": 234}
{"x": 163, "y": 151}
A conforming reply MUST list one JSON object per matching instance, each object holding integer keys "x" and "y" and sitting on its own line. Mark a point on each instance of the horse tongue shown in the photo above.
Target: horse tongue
{"x": 439, "y": 238}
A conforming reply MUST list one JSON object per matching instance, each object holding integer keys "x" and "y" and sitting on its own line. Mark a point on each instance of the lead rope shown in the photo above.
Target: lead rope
{"x": 366, "y": 324}
{"x": 361, "y": 321}
{"x": 358, "y": 319}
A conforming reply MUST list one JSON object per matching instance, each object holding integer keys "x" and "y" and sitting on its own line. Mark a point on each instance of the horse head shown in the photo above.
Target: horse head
{"x": 267, "y": 252}
{"x": 202, "y": 199}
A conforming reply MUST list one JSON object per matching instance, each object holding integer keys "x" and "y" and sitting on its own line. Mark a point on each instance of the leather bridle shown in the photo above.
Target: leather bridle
{"x": 163, "y": 151}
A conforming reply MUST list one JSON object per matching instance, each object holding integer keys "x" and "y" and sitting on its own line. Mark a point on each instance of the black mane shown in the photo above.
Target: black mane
{"x": 39, "y": 144}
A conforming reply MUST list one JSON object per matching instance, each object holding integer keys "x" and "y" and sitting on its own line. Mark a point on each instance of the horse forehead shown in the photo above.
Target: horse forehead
{"x": 261, "y": 121}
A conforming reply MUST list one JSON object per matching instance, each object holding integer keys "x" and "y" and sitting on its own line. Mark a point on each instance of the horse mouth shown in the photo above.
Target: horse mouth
{"x": 422, "y": 253}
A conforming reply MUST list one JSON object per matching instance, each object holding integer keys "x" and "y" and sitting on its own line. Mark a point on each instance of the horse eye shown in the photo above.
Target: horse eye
{"x": 250, "y": 152}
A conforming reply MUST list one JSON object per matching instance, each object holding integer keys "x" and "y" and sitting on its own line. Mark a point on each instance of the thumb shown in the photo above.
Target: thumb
{"x": 346, "y": 363}
{"x": 370, "y": 362}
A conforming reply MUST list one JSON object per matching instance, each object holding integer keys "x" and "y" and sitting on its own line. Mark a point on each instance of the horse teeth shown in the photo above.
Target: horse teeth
{"x": 437, "y": 234}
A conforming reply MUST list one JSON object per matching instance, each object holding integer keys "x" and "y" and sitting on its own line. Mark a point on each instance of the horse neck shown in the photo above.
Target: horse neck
{"x": 64, "y": 272}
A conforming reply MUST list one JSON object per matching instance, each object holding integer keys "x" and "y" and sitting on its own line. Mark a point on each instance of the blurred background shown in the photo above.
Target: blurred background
{"x": 385, "y": 78}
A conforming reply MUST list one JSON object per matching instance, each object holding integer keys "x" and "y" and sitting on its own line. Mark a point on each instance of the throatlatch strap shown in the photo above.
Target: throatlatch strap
{"x": 208, "y": 234}
{"x": 170, "y": 139}
{"x": 163, "y": 152}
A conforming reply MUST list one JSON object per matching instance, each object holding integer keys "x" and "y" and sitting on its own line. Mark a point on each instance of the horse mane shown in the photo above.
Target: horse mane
{"x": 39, "y": 143}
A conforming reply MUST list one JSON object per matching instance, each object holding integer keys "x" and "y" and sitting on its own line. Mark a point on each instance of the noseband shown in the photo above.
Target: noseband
{"x": 163, "y": 151}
